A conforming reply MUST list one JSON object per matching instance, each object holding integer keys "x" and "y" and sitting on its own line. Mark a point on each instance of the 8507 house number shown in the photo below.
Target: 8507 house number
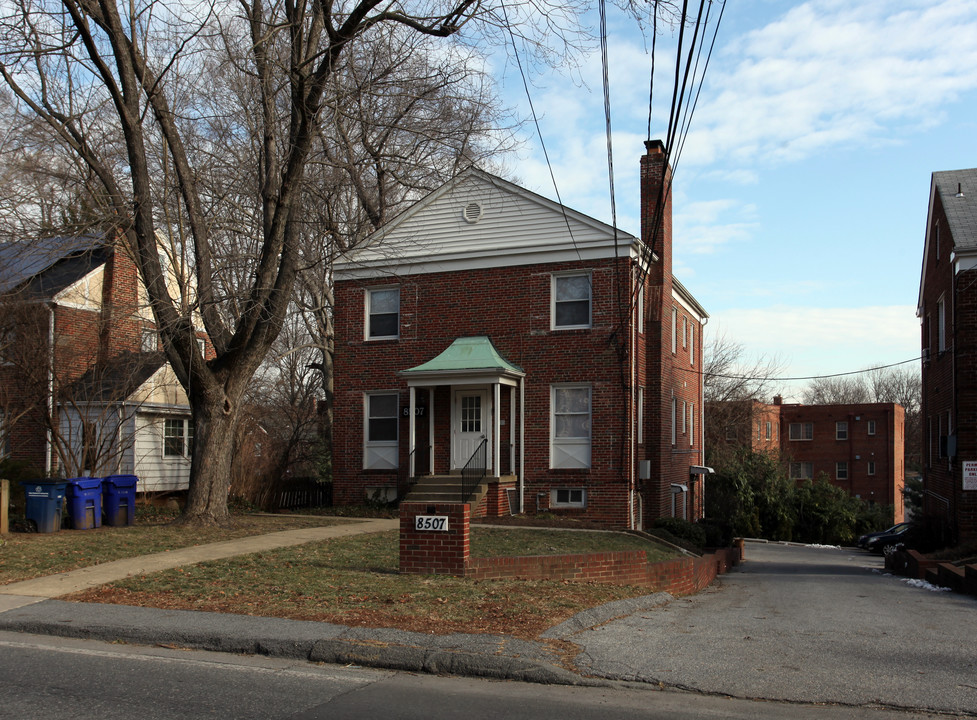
{"x": 432, "y": 523}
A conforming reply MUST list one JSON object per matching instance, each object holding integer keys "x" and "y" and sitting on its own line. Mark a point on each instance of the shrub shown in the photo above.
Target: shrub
{"x": 718, "y": 532}
{"x": 683, "y": 529}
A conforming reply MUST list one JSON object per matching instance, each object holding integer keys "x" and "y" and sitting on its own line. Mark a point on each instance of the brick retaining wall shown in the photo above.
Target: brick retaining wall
{"x": 448, "y": 553}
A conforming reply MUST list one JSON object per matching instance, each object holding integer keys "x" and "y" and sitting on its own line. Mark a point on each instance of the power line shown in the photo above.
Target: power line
{"x": 539, "y": 131}
{"x": 704, "y": 373}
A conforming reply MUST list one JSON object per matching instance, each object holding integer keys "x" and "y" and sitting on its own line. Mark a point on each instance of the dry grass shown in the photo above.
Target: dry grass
{"x": 354, "y": 581}
{"x": 25, "y": 556}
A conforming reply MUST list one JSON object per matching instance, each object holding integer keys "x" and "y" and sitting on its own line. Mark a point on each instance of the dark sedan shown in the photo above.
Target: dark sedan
{"x": 886, "y": 542}
{"x": 863, "y": 540}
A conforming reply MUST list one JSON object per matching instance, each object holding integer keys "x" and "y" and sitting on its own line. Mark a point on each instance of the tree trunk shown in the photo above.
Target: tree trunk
{"x": 215, "y": 418}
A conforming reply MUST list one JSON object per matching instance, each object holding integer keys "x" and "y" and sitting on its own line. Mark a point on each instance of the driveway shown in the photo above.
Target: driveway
{"x": 805, "y": 624}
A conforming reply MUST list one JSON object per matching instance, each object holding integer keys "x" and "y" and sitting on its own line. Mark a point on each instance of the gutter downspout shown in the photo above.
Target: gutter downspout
{"x": 49, "y": 440}
{"x": 702, "y": 412}
{"x": 522, "y": 445}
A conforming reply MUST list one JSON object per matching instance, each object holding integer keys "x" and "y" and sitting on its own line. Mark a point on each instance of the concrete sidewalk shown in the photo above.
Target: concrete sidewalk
{"x": 30, "y": 591}
{"x": 29, "y": 607}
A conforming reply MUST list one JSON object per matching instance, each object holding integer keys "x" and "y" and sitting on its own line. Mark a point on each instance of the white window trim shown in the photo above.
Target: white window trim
{"x": 691, "y": 424}
{"x": 186, "y": 438}
{"x": 941, "y": 324}
{"x": 800, "y": 437}
{"x": 367, "y": 307}
{"x": 590, "y": 309}
{"x": 692, "y": 344}
{"x": 839, "y": 467}
{"x": 841, "y": 430}
{"x": 674, "y": 418}
{"x": 870, "y": 468}
{"x": 641, "y": 415}
{"x": 583, "y": 445}
{"x": 581, "y": 503}
{"x": 641, "y": 308}
{"x": 674, "y": 330}
{"x": 871, "y": 427}
{"x": 373, "y": 450}
{"x": 685, "y": 332}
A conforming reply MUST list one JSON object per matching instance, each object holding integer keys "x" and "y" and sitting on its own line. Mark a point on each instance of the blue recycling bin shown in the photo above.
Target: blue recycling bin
{"x": 84, "y": 496}
{"x": 44, "y": 504}
{"x": 119, "y": 496}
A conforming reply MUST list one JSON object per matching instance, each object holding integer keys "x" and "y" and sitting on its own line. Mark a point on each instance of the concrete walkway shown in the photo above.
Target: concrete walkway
{"x": 30, "y": 591}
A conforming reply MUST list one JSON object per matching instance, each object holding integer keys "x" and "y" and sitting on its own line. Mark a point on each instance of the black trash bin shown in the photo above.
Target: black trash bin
{"x": 44, "y": 504}
{"x": 119, "y": 494}
{"x": 84, "y": 502}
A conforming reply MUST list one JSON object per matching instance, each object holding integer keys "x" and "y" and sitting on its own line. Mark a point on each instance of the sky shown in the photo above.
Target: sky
{"x": 800, "y": 196}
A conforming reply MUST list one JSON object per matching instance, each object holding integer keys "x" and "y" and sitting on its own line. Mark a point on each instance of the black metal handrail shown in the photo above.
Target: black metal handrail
{"x": 474, "y": 471}
{"x": 406, "y": 479}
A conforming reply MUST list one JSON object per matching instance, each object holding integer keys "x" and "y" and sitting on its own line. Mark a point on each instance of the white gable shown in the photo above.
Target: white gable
{"x": 481, "y": 221}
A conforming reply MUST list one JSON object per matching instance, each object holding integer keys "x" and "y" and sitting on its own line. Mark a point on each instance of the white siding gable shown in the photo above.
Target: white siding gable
{"x": 513, "y": 227}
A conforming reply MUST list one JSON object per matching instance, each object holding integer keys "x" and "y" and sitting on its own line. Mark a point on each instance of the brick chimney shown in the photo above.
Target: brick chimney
{"x": 656, "y": 228}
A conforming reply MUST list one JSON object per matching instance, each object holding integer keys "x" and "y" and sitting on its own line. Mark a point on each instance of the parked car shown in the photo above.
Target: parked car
{"x": 863, "y": 540}
{"x": 885, "y": 543}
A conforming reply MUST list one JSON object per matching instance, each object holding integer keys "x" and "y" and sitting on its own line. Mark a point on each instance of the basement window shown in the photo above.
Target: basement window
{"x": 568, "y": 498}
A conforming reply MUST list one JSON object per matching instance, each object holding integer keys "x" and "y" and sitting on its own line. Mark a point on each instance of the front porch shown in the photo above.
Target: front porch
{"x": 462, "y": 430}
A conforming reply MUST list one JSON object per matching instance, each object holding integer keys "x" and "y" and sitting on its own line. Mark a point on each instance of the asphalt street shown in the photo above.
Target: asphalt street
{"x": 802, "y": 624}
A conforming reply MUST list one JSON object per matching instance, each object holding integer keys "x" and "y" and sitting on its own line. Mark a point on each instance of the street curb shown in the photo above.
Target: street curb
{"x": 493, "y": 656}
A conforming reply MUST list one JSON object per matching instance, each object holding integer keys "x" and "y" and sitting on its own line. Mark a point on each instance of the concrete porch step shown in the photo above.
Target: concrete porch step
{"x": 445, "y": 488}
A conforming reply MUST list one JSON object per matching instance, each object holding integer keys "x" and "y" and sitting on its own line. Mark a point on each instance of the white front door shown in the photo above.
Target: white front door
{"x": 469, "y": 426}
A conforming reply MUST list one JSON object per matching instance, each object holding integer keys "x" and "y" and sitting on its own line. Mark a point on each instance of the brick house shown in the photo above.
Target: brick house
{"x": 859, "y": 447}
{"x": 83, "y": 387}
{"x": 553, "y": 356}
{"x": 947, "y": 309}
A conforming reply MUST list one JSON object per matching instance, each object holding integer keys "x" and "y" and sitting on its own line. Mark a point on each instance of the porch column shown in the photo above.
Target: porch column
{"x": 512, "y": 429}
{"x": 497, "y": 430}
{"x": 411, "y": 427}
{"x": 430, "y": 431}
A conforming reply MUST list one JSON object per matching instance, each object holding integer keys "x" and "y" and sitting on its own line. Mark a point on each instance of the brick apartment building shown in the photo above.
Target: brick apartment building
{"x": 488, "y": 319}
{"x": 947, "y": 309}
{"x": 83, "y": 388}
{"x": 859, "y": 447}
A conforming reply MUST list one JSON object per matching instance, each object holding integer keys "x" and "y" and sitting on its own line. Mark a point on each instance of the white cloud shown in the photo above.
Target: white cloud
{"x": 829, "y": 72}
{"x": 831, "y": 340}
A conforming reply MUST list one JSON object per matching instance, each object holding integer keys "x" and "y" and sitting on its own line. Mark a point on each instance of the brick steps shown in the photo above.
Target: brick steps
{"x": 445, "y": 489}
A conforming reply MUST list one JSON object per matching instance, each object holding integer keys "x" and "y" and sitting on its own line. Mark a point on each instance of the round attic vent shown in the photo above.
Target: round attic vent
{"x": 472, "y": 212}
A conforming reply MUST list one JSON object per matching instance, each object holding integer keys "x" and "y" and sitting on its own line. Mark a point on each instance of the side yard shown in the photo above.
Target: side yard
{"x": 351, "y": 581}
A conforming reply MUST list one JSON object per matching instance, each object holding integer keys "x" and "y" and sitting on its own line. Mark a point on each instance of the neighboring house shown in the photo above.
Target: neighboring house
{"x": 83, "y": 388}
{"x": 947, "y": 309}
{"x": 859, "y": 447}
{"x": 491, "y": 329}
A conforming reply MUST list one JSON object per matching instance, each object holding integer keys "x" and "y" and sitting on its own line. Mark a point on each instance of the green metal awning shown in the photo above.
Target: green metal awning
{"x": 474, "y": 357}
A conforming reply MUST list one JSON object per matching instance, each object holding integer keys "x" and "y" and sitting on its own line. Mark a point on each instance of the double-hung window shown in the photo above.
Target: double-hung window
{"x": 381, "y": 420}
{"x": 841, "y": 470}
{"x": 841, "y": 430}
{"x": 383, "y": 314}
{"x": 570, "y": 423}
{"x": 177, "y": 437}
{"x": 572, "y": 296}
{"x": 801, "y": 431}
{"x": 801, "y": 471}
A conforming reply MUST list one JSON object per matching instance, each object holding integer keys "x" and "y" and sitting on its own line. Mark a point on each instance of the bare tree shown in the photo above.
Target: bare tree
{"x": 733, "y": 384}
{"x": 729, "y": 373}
{"x": 843, "y": 390}
{"x": 133, "y": 93}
